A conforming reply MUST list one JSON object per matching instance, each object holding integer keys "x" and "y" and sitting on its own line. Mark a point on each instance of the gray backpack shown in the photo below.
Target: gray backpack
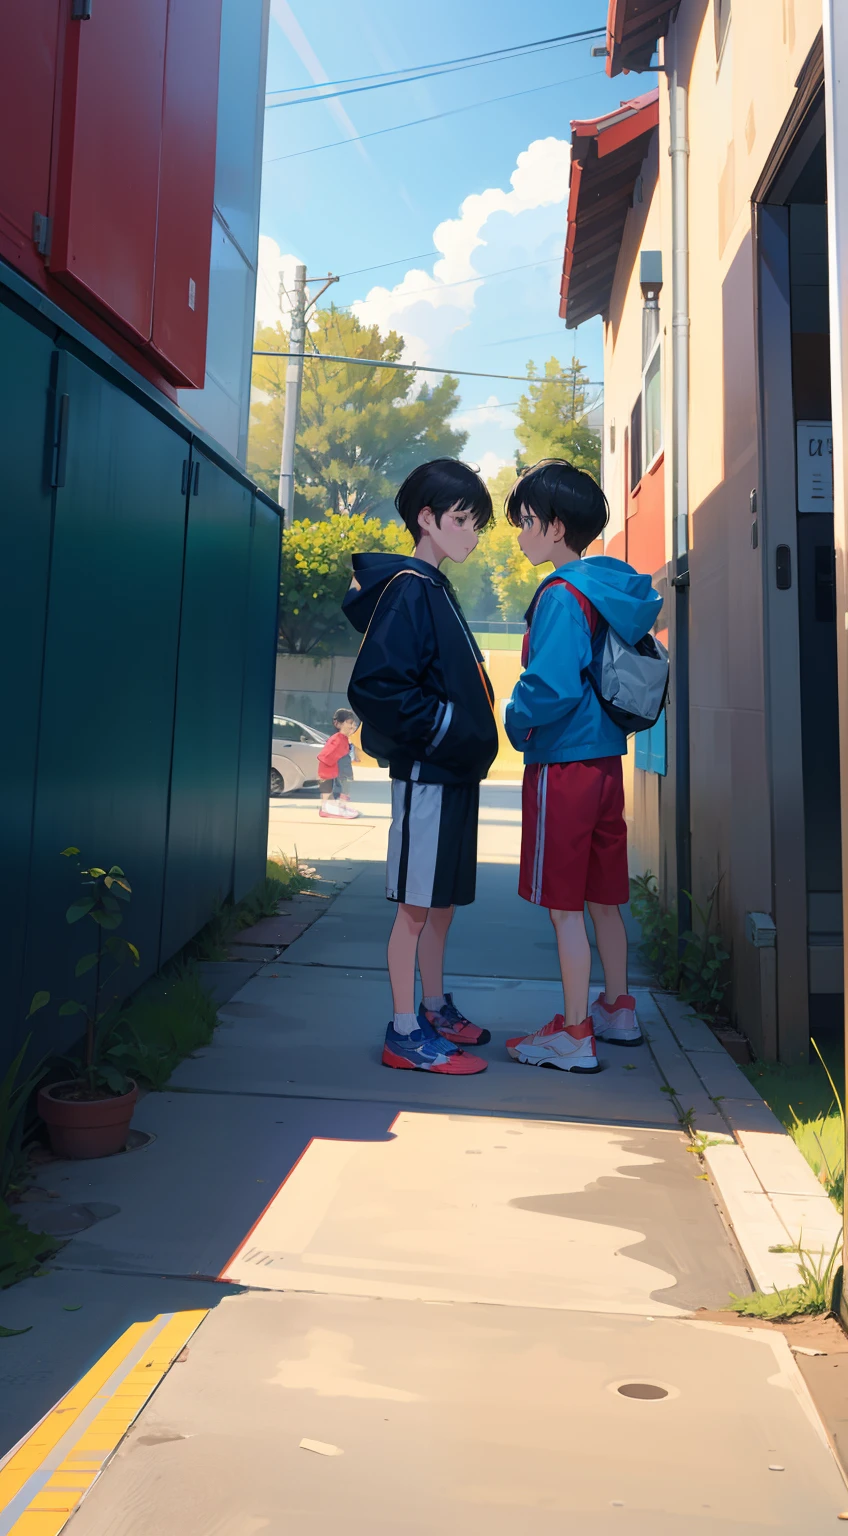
{"x": 631, "y": 681}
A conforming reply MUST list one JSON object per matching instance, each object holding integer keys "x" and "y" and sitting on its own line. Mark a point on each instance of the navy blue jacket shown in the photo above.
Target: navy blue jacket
{"x": 419, "y": 685}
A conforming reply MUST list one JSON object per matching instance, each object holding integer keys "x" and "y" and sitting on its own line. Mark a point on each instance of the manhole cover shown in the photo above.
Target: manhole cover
{"x": 647, "y": 1391}
{"x": 136, "y": 1140}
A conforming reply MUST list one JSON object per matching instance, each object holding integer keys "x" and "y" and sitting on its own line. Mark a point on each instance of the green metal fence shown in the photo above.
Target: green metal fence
{"x": 140, "y": 577}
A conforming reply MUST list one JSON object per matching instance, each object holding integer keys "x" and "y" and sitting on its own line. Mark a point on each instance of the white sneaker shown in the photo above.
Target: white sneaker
{"x": 618, "y": 1025}
{"x": 570, "y": 1048}
{"x": 332, "y": 809}
{"x": 349, "y": 812}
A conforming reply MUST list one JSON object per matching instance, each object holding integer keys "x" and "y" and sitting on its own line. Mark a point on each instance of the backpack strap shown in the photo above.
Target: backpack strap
{"x": 588, "y": 609}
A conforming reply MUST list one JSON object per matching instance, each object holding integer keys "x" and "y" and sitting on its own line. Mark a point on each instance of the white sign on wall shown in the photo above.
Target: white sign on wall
{"x": 815, "y": 466}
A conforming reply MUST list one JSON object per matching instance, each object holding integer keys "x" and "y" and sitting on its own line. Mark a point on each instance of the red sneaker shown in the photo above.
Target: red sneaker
{"x": 453, "y": 1025}
{"x": 423, "y": 1051}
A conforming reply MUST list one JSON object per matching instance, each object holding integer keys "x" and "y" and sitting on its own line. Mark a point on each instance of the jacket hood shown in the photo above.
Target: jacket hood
{"x": 622, "y": 596}
{"x": 371, "y": 576}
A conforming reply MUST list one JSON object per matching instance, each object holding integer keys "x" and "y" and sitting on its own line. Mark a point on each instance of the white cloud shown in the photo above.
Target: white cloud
{"x": 491, "y": 411}
{"x": 426, "y": 309}
{"x": 272, "y": 266}
{"x": 491, "y": 463}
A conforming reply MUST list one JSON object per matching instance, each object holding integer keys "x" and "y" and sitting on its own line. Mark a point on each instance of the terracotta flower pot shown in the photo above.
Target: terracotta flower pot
{"x": 86, "y": 1127}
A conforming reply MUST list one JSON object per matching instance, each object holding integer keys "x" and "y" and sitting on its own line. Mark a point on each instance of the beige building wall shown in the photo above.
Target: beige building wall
{"x": 736, "y": 107}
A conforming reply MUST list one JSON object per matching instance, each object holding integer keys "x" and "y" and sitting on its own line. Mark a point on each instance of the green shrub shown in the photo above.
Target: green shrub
{"x": 691, "y": 963}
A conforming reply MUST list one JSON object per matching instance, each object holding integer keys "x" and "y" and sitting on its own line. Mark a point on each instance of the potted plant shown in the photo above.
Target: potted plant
{"x": 89, "y": 1114}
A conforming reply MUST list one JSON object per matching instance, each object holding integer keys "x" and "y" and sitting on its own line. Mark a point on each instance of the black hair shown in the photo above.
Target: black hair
{"x": 555, "y": 489}
{"x": 343, "y": 715}
{"x": 442, "y": 485}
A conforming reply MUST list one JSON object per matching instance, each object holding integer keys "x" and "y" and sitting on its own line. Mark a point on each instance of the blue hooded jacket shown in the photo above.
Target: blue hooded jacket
{"x": 554, "y": 715}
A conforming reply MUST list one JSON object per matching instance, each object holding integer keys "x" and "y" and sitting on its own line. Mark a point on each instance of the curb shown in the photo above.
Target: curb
{"x": 771, "y": 1195}
{"x": 48, "y": 1474}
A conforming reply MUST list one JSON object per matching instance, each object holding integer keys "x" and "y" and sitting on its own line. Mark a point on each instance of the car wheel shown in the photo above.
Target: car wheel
{"x": 278, "y": 786}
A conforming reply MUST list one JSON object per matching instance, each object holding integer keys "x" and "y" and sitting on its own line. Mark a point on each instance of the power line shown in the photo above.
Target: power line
{"x": 415, "y": 122}
{"x": 427, "y": 71}
{"x": 398, "y": 262}
{"x": 465, "y": 373}
{"x": 534, "y": 336}
{"x": 481, "y": 277}
{"x": 461, "y": 282}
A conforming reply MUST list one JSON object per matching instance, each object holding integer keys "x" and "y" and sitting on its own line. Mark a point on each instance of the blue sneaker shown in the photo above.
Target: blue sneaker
{"x": 425, "y": 1051}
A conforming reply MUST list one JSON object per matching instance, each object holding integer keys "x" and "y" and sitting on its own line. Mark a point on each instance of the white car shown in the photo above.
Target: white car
{"x": 294, "y": 756}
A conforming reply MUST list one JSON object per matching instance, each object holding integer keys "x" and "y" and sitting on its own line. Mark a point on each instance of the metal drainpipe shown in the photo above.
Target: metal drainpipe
{"x": 679, "y": 152}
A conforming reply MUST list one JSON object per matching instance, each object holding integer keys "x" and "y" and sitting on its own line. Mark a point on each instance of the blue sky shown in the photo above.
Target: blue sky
{"x": 485, "y": 188}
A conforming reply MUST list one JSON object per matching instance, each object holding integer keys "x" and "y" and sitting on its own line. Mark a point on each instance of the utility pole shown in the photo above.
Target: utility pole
{"x": 294, "y": 383}
{"x": 294, "y": 379}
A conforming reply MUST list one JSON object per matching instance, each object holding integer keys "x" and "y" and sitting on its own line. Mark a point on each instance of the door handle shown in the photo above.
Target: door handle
{"x": 783, "y": 567}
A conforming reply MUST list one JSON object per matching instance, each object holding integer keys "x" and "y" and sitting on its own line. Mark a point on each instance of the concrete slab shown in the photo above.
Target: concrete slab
{"x": 252, "y": 953}
{"x": 801, "y": 1202}
{"x": 500, "y": 935}
{"x": 758, "y": 1228}
{"x": 224, "y": 978}
{"x": 547, "y": 1440}
{"x": 721, "y": 1077}
{"x": 518, "y": 1213}
{"x": 315, "y": 1031}
{"x": 749, "y": 1114}
{"x": 72, "y": 1321}
{"x": 691, "y": 1033}
{"x": 184, "y": 1204}
{"x": 277, "y": 931}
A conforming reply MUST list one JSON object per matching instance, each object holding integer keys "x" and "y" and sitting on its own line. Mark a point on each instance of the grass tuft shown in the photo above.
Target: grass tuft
{"x": 812, "y": 1297}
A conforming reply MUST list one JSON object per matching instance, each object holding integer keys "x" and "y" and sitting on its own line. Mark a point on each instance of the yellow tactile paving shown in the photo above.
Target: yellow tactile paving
{"x": 52, "y": 1506}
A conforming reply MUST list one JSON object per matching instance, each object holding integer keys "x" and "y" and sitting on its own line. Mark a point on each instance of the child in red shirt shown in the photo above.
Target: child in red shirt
{"x": 335, "y": 770}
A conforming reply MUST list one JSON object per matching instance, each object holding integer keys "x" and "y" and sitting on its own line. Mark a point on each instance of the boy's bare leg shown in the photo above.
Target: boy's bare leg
{"x": 611, "y": 939}
{"x": 403, "y": 943}
{"x": 575, "y": 963}
{"x": 431, "y": 950}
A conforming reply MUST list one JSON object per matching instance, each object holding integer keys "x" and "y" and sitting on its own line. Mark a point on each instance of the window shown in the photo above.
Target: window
{"x": 652, "y": 395}
{"x": 636, "y": 444}
{"x": 289, "y": 730}
{"x": 722, "y": 22}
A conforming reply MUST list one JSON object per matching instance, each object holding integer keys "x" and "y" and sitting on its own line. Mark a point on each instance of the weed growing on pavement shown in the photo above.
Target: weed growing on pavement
{"x": 168, "y": 1019}
{"x": 659, "y": 930}
{"x": 691, "y": 963}
{"x": 811, "y": 1297}
{"x": 21, "y": 1251}
{"x": 284, "y": 877}
{"x": 16, "y": 1087}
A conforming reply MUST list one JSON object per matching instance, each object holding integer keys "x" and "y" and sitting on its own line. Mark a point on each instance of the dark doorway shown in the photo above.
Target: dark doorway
{"x": 810, "y": 323}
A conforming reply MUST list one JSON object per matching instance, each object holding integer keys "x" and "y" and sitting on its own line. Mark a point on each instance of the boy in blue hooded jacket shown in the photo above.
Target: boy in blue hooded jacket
{"x": 573, "y": 834}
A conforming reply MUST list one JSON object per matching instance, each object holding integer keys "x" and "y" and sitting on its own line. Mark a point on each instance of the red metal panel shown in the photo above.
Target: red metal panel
{"x": 186, "y": 189}
{"x": 28, "y": 61}
{"x": 107, "y": 183}
{"x": 646, "y": 522}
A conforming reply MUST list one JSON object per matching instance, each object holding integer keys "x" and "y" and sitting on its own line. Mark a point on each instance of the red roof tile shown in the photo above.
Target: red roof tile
{"x": 606, "y": 157}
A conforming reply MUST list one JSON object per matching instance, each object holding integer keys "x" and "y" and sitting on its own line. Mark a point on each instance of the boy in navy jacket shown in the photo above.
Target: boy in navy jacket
{"x": 425, "y": 702}
{"x": 573, "y": 833}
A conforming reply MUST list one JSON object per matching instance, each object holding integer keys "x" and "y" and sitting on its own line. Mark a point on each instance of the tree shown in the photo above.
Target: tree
{"x": 360, "y": 431}
{"x": 552, "y": 418}
{"x": 497, "y": 581}
{"x": 514, "y": 580}
{"x": 315, "y": 575}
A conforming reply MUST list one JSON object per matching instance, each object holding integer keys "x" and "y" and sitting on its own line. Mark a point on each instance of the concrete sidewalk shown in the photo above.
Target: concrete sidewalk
{"x": 430, "y": 1304}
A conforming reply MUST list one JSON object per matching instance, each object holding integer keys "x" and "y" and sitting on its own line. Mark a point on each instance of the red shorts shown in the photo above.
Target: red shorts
{"x": 573, "y": 835}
